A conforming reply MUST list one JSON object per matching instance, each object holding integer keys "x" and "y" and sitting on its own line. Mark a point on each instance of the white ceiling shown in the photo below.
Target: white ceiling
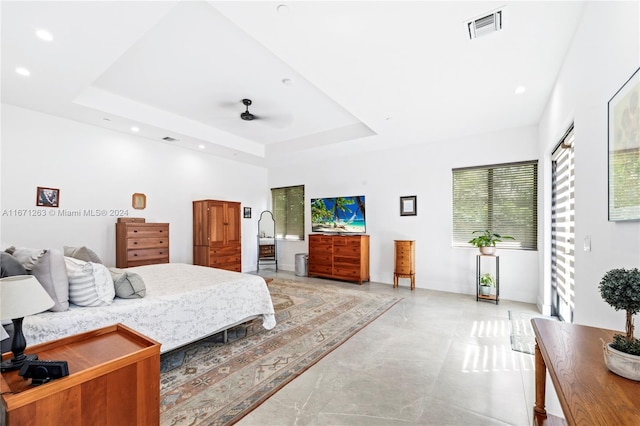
{"x": 327, "y": 77}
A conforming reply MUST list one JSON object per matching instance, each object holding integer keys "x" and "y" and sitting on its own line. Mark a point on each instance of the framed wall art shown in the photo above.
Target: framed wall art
{"x": 247, "y": 213}
{"x": 624, "y": 151}
{"x": 408, "y": 206}
{"x": 47, "y": 197}
{"x": 139, "y": 201}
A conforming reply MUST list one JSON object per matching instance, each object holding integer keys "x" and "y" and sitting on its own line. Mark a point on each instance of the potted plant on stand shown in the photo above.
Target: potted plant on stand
{"x": 487, "y": 240}
{"x": 620, "y": 288}
{"x": 486, "y": 282}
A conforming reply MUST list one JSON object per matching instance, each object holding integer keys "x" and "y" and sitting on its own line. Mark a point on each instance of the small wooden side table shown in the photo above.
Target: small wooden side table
{"x": 114, "y": 379}
{"x": 405, "y": 262}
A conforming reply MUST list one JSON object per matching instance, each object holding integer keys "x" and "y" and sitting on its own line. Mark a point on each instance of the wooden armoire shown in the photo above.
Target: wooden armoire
{"x": 216, "y": 234}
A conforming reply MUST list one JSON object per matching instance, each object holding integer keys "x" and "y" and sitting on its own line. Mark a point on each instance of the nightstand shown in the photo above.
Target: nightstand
{"x": 114, "y": 379}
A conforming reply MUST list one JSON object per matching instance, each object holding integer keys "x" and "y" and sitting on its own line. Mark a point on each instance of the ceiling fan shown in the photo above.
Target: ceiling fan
{"x": 247, "y": 116}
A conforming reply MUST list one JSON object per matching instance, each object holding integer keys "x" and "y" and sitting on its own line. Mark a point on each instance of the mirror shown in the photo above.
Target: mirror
{"x": 267, "y": 240}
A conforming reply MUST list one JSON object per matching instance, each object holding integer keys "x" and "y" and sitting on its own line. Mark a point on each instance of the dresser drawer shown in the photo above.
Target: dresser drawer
{"x": 346, "y": 272}
{"x": 320, "y": 269}
{"x": 135, "y": 230}
{"x": 347, "y": 250}
{"x": 142, "y": 243}
{"x": 147, "y": 254}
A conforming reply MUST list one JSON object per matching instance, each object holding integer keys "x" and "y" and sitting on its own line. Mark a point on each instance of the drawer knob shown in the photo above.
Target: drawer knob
{"x": 135, "y": 254}
{"x": 135, "y": 242}
{"x": 135, "y": 230}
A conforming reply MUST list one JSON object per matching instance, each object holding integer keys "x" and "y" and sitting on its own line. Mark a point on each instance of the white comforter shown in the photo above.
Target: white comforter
{"x": 184, "y": 303}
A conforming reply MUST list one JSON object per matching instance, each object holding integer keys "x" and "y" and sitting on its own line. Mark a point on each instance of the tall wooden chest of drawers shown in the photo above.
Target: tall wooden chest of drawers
{"x": 405, "y": 262}
{"x": 216, "y": 234}
{"x": 140, "y": 244}
{"x": 343, "y": 257}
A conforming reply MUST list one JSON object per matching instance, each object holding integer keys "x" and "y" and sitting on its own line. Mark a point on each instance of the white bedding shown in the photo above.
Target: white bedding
{"x": 184, "y": 303}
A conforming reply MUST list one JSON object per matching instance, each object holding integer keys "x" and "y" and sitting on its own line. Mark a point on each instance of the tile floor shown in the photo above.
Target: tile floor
{"x": 435, "y": 358}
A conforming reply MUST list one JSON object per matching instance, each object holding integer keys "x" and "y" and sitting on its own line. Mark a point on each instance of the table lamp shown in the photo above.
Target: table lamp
{"x": 21, "y": 295}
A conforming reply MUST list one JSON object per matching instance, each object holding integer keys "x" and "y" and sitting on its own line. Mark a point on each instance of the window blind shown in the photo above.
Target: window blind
{"x": 288, "y": 212}
{"x": 501, "y": 198}
{"x": 563, "y": 228}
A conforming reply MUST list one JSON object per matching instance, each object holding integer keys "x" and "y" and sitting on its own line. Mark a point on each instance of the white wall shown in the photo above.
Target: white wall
{"x": 424, "y": 170}
{"x": 97, "y": 169}
{"x": 604, "y": 54}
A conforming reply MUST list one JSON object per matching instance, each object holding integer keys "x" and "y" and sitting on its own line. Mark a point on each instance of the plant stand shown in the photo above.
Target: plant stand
{"x": 492, "y": 297}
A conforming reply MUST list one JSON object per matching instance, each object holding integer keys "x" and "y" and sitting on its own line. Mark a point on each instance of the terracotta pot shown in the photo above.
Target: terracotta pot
{"x": 488, "y": 250}
{"x": 621, "y": 363}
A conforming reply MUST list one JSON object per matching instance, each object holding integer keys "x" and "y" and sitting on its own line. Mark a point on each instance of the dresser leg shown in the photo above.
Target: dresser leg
{"x": 395, "y": 280}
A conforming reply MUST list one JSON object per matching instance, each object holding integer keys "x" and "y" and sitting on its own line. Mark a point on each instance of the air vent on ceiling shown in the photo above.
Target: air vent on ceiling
{"x": 485, "y": 25}
{"x": 170, "y": 139}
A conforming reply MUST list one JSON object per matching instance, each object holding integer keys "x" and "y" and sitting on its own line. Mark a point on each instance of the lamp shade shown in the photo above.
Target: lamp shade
{"x": 22, "y": 295}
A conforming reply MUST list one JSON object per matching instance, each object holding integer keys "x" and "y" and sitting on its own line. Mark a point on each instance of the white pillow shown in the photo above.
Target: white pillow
{"x": 90, "y": 284}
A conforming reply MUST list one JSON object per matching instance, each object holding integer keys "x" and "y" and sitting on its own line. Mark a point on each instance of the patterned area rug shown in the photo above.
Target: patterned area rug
{"x": 212, "y": 383}
{"x": 523, "y": 339}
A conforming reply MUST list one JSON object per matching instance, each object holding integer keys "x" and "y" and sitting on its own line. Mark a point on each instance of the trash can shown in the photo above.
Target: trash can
{"x": 301, "y": 264}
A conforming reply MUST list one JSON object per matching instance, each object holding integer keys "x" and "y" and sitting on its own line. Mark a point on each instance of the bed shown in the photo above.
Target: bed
{"x": 183, "y": 303}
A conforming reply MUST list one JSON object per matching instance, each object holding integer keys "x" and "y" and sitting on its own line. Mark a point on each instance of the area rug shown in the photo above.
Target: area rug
{"x": 523, "y": 338}
{"x": 215, "y": 383}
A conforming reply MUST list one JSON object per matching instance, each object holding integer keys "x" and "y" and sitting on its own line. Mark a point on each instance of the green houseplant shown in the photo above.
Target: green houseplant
{"x": 620, "y": 288}
{"x": 486, "y": 282}
{"x": 486, "y": 241}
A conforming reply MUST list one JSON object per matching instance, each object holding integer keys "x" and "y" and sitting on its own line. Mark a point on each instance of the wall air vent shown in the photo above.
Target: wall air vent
{"x": 170, "y": 139}
{"x": 485, "y": 25}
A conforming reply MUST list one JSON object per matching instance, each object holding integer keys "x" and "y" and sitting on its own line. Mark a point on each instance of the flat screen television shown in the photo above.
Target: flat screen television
{"x": 338, "y": 215}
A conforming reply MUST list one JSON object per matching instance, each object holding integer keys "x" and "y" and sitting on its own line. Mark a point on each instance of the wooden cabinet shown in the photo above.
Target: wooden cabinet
{"x": 405, "y": 262}
{"x": 114, "y": 379}
{"x": 140, "y": 244}
{"x": 343, "y": 257}
{"x": 216, "y": 234}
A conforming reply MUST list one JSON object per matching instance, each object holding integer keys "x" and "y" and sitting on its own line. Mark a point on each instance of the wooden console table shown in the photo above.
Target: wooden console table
{"x": 588, "y": 392}
{"x": 114, "y": 379}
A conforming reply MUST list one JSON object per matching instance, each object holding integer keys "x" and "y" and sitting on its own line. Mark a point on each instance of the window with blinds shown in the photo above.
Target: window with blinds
{"x": 563, "y": 228}
{"x": 501, "y": 198}
{"x": 288, "y": 212}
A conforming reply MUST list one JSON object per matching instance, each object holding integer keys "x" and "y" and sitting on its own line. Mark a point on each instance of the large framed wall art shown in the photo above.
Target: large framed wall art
{"x": 624, "y": 151}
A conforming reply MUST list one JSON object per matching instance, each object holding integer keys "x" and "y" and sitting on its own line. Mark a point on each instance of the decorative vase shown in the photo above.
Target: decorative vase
{"x": 487, "y": 249}
{"x": 621, "y": 363}
{"x": 485, "y": 290}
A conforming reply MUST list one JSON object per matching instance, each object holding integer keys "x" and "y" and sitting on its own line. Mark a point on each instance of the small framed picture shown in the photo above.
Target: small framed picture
{"x": 408, "y": 206}
{"x": 247, "y": 213}
{"x": 139, "y": 201}
{"x": 47, "y": 197}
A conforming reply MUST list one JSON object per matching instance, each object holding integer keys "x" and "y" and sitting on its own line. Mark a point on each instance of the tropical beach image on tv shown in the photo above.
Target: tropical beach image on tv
{"x": 340, "y": 215}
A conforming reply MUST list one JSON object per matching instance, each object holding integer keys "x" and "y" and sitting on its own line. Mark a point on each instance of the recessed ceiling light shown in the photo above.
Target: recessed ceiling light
{"x": 23, "y": 71}
{"x": 201, "y": 146}
{"x": 44, "y": 35}
{"x": 135, "y": 129}
{"x": 520, "y": 90}
{"x": 287, "y": 81}
{"x": 106, "y": 119}
{"x": 283, "y": 9}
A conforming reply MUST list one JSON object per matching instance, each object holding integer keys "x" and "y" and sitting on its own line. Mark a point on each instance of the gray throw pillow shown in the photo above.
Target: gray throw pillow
{"x": 10, "y": 266}
{"x": 82, "y": 253}
{"x": 128, "y": 285}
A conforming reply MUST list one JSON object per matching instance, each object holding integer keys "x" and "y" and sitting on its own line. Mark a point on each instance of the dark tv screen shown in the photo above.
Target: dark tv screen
{"x": 339, "y": 215}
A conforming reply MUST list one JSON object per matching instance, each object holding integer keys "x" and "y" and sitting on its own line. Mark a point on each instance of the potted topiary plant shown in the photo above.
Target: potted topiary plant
{"x": 487, "y": 240}
{"x": 620, "y": 288}
{"x": 486, "y": 282}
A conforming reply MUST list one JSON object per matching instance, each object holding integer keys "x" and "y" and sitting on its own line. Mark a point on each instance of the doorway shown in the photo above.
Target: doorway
{"x": 563, "y": 229}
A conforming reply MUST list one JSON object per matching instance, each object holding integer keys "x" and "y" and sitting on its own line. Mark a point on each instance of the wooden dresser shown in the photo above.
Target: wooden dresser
{"x": 405, "y": 262}
{"x": 343, "y": 257}
{"x": 216, "y": 234}
{"x": 114, "y": 379}
{"x": 140, "y": 244}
